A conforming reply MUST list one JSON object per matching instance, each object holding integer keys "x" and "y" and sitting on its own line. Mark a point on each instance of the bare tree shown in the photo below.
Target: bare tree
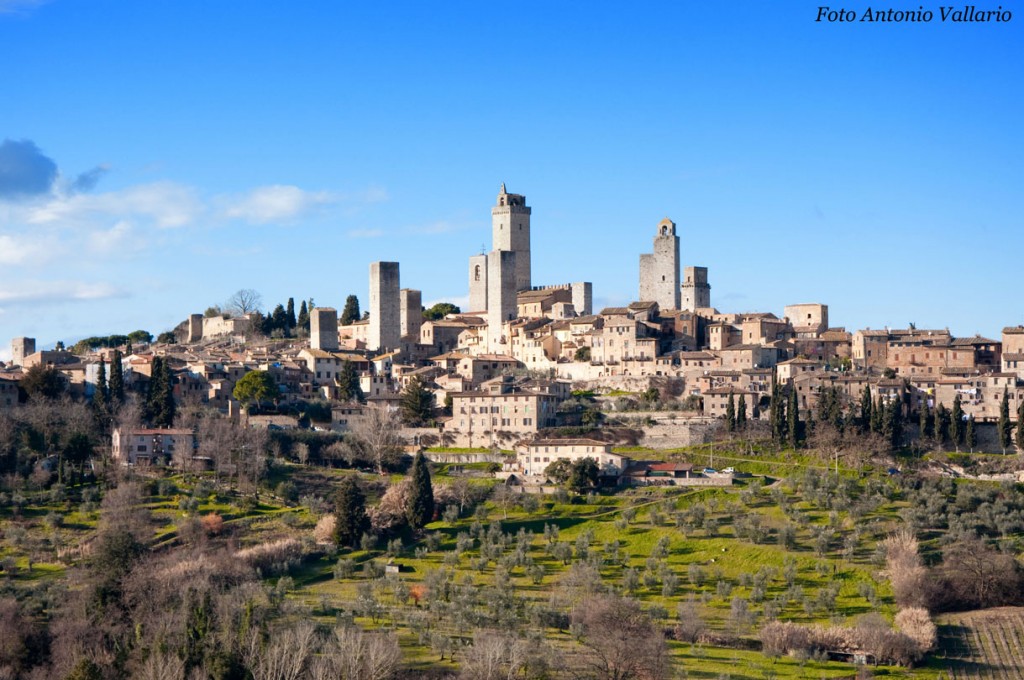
{"x": 621, "y": 640}
{"x": 376, "y": 435}
{"x": 286, "y": 655}
{"x": 355, "y": 655}
{"x": 243, "y": 302}
{"x": 904, "y": 568}
{"x": 498, "y": 656}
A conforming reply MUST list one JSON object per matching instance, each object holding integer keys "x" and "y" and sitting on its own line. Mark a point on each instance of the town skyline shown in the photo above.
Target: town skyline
{"x": 272, "y": 158}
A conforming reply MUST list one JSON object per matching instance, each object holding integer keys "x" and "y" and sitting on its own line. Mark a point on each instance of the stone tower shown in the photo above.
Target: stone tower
{"x": 385, "y": 315}
{"x": 21, "y": 348}
{"x": 582, "y": 297}
{"x": 510, "y": 226}
{"x": 195, "y": 328}
{"x": 411, "y": 312}
{"x": 501, "y": 295}
{"x": 659, "y": 271}
{"x": 696, "y": 290}
{"x": 323, "y": 328}
{"x": 478, "y": 283}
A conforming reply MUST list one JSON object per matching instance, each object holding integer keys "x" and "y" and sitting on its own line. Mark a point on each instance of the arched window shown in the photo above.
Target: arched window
{"x": 476, "y": 273}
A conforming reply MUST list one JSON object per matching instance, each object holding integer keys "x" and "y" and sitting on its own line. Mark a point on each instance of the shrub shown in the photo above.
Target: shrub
{"x": 213, "y": 524}
{"x": 323, "y": 532}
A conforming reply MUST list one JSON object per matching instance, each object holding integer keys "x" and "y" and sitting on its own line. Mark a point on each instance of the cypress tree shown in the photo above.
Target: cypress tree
{"x": 347, "y": 381}
{"x": 942, "y": 423}
{"x": 878, "y": 417}
{"x": 893, "y": 426}
{"x": 970, "y": 436}
{"x": 278, "y": 319}
{"x": 741, "y": 413}
{"x": 151, "y": 407}
{"x": 927, "y": 421}
{"x": 168, "y": 409}
{"x": 303, "y": 320}
{"x": 351, "y": 521}
{"x": 730, "y": 414}
{"x": 1004, "y": 425}
{"x": 116, "y": 384}
{"x": 416, "y": 402}
{"x": 865, "y": 409}
{"x": 350, "y": 312}
{"x": 1019, "y": 435}
{"x": 289, "y": 314}
{"x": 956, "y": 423}
{"x": 421, "y": 497}
{"x": 128, "y": 349}
{"x": 793, "y": 418}
{"x": 102, "y": 395}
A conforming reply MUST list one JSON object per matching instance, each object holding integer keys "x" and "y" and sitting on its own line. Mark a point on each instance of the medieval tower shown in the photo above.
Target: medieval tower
{"x": 510, "y": 230}
{"x": 659, "y": 271}
{"x": 385, "y": 307}
{"x": 323, "y": 329}
{"x": 696, "y": 290}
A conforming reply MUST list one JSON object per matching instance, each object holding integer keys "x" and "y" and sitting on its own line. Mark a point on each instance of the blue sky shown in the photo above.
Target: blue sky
{"x": 156, "y": 157}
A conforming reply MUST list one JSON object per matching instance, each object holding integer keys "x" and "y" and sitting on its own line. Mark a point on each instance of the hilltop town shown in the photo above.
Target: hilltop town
{"x": 528, "y": 488}
{"x": 503, "y": 372}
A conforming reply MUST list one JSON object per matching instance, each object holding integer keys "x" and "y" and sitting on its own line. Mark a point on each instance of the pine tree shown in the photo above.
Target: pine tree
{"x": 116, "y": 384}
{"x": 793, "y": 418}
{"x": 970, "y": 436}
{"x": 730, "y": 414}
{"x": 351, "y": 521}
{"x": 303, "y": 321}
{"x": 350, "y": 312}
{"x": 1019, "y": 435}
{"x": 289, "y": 315}
{"x": 741, "y": 413}
{"x": 1004, "y": 425}
{"x": 942, "y": 423}
{"x": 956, "y": 423}
{"x": 347, "y": 381}
{"x": 416, "y": 402}
{"x": 421, "y": 494}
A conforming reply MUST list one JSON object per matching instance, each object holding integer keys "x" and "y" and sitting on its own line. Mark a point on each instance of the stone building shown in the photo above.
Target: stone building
{"x": 385, "y": 330}
{"x": 21, "y": 348}
{"x": 411, "y": 312}
{"x": 659, "y": 271}
{"x": 696, "y": 292}
{"x": 323, "y": 328}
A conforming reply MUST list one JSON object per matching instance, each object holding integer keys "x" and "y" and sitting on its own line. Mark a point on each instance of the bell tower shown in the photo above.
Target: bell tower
{"x": 510, "y": 227}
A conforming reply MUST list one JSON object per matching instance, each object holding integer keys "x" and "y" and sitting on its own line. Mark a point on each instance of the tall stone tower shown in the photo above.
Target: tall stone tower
{"x": 659, "y": 271}
{"x": 510, "y": 226}
{"x": 195, "y": 328}
{"x": 21, "y": 348}
{"x": 696, "y": 290}
{"x": 385, "y": 307}
{"x": 323, "y": 328}
{"x": 411, "y": 312}
{"x": 501, "y": 295}
{"x": 478, "y": 283}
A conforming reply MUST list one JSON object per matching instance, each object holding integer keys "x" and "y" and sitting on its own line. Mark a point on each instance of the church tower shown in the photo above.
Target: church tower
{"x": 659, "y": 271}
{"x": 510, "y": 225}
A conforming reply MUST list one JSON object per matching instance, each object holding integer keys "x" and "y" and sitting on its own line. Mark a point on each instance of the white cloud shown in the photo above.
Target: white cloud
{"x": 19, "y": 250}
{"x": 276, "y": 203}
{"x": 119, "y": 239}
{"x": 36, "y": 292}
{"x": 165, "y": 204}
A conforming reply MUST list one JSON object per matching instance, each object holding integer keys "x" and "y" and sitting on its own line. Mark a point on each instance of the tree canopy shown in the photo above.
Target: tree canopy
{"x": 439, "y": 311}
{"x": 417, "y": 402}
{"x": 421, "y": 496}
{"x": 350, "y": 312}
{"x": 256, "y": 386}
{"x": 351, "y": 521}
